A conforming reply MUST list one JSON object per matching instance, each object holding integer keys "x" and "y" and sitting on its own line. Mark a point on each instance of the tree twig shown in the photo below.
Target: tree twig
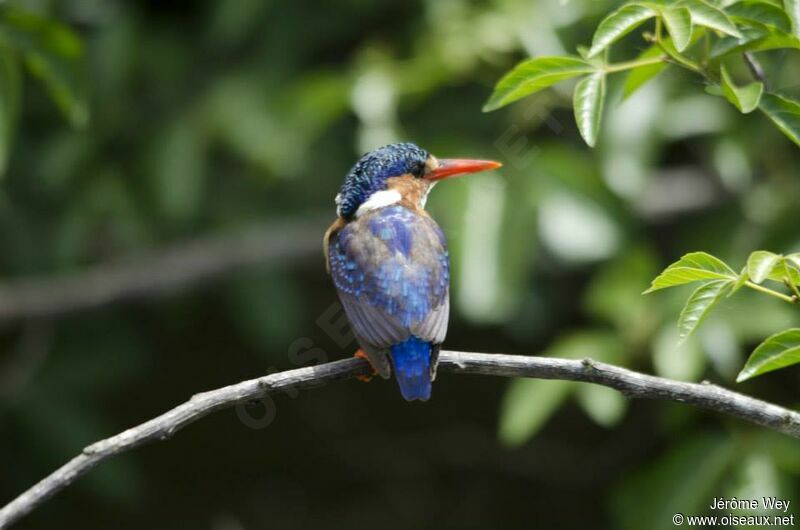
{"x": 630, "y": 383}
{"x": 756, "y": 69}
{"x": 160, "y": 273}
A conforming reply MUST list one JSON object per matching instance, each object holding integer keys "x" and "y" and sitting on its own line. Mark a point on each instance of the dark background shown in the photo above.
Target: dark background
{"x": 183, "y": 121}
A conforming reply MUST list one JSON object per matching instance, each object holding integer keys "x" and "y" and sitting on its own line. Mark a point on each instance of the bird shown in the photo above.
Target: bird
{"x": 389, "y": 262}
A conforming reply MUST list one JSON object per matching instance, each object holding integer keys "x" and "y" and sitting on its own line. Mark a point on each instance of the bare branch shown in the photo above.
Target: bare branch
{"x": 630, "y": 383}
{"x": 171, "y": 270}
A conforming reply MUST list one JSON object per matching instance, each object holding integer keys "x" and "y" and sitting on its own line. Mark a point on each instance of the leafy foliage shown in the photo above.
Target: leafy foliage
{"x": 760, "y": 265}
{"x": 700, "y": 37}
{"x": 618, "y": 24}
{"x": 53, "y": 53}
{"x": 793, "y": 10}
{"x": 534, "y": 75}
{"x": 778, "y": 351}
{"x": 206, "y": 117}
{"x": 697, "y": 266}
{"x": 718, "y": 281}
{"x": 590, "y": 94}
{"x": 746, "y": 98}
{"x": 784, "y": 113}
{"x": 699, "y": 304}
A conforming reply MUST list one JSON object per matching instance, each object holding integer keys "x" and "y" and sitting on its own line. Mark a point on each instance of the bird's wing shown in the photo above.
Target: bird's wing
{"x": 392, "y": 272}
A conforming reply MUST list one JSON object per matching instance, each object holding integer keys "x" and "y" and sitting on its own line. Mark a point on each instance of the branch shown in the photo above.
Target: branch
{"x": 630, "y": 383}
{"x": 170, "y": 270}
{"x": 756, "y": 69}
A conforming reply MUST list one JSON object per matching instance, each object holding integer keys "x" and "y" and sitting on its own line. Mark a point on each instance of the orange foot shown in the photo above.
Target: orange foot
{"x": 365, "y": 378}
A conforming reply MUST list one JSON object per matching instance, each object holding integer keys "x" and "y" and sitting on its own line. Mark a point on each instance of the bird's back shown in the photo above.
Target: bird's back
{"x": 391, "y": 270}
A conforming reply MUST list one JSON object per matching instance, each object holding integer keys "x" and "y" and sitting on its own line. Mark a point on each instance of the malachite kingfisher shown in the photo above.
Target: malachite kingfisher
{"x": 388, "y": 260}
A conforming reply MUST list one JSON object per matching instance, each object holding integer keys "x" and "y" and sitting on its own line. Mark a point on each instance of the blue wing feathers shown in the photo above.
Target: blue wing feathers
{"x": 391, "y": 269}
{"x": 394, "y": 261}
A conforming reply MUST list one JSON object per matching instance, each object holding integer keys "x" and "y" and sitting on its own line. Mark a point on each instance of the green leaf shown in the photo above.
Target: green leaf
{"x": 641, "y": 75}
{"x": 54, "y": 54}
{"x": 791, "y": 272}
{"x": 778, "y": 351}
{"x": 10, "y": 85}
{"x": 588, "y": 100}
{"x": 679, "y": 25}
{"x": 784, "y": 269}
{"x": 761, "y": 14}
{"x": 704, "y": 14}
{"x": 744, "y": 98}
{"x": 696, "y": 266}
{"x": 774, "y": 40}
{"x": 534, "y": 75}
{"x": 793, "y": 10}
{"x": 754, "y": 40}
{"x": 618, "y": 24}
{"x": 760, "y": 265}
{"x": 784, "y": 113}
{"x": 699, "y": 305}
{"x": 763, "y": 265}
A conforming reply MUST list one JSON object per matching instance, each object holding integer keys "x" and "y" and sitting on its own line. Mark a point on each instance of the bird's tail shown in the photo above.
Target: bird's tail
{"x": 412, "y": 368}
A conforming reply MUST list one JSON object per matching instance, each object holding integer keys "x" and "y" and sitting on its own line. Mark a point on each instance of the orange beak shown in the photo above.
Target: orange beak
{"x": 454, "y": 167}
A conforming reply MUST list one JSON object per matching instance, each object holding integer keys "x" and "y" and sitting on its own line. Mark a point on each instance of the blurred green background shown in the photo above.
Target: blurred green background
{"x": 132, "y": 128}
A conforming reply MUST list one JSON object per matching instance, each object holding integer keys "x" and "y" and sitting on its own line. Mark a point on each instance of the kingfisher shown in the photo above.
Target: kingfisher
{"x": 389, "y": 262}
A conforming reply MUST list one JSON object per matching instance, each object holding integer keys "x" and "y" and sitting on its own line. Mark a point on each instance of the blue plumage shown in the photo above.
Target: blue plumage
{"x": 395, "y": 261}
{"x": 392, "y": 227}
{"x": 412, "y": 368}
{"x": 389, "y": 261}
{"x": 392, "y": 272}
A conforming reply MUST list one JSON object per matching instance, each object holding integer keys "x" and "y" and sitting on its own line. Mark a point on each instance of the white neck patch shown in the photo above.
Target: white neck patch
{"x": 424, "y": 199}
{"x": 379, "y": 199}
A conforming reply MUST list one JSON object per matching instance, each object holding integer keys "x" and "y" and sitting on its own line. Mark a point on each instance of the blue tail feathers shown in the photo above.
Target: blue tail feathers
{"x": 412, "y": 368}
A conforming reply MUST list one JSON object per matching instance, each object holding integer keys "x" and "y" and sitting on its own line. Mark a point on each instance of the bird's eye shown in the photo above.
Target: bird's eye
{"x": 418, "y": 170}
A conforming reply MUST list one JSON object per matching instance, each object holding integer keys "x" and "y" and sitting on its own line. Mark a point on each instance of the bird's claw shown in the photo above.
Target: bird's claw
{"x": 366, "y": 378}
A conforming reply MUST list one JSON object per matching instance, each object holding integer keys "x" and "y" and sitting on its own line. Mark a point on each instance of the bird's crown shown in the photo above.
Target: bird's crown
{"x": 369, "y": 174}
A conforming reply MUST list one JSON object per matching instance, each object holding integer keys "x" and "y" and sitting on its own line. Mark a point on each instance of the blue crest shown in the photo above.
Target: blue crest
{"x": 370, "y": 173}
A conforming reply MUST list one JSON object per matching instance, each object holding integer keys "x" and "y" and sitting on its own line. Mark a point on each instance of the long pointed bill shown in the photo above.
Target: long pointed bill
{"x": 454, "y": 167}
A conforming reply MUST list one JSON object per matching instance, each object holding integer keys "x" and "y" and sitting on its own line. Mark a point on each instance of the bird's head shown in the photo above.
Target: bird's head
{"x": 396, "y": 173}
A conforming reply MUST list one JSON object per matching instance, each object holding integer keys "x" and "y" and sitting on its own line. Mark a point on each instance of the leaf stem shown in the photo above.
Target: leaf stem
{"x": 636, "y": 63}
{"x": 681, "y": 60}
{"x": 776, "y": 294}
{"x": 790, "y": 284}
{"x": 672, "y": 54}
{"x": 658, "y": 29}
